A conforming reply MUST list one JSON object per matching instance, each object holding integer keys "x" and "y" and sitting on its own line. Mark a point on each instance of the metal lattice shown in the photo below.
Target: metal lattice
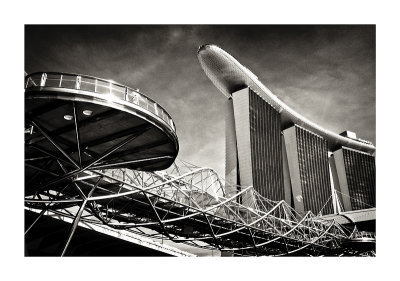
{"x": 188, "y": 204}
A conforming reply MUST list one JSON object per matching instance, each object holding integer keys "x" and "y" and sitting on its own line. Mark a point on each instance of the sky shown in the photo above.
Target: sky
{"x": 326, "y": 73}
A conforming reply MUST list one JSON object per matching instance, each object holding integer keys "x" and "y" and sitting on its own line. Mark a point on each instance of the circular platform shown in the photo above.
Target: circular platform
{"x": 76, "y": 123}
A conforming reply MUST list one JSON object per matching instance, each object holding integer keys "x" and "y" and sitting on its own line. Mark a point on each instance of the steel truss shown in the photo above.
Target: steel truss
{"x": 188, "y": 204}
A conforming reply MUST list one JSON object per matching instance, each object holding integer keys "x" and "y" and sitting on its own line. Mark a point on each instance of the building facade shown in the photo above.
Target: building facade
{"x": 307, "y": 156}
{"x": 253, "y": 146}
{"x": 290, "y": 164}
{"x": 283, "y": 155}
{"x": 353, "y": 174}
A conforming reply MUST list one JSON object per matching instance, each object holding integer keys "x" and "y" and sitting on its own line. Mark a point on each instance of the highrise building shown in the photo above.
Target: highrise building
{"x": 354, "y": 178}
{"x": 253, "y": 145}
{"x": 307, "y": 156}
{"x": 280, "y": 153}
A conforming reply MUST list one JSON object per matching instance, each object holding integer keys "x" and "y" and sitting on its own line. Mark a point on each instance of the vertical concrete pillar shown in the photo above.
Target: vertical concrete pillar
{"x": 231, "y": 160}
{"x": 294, "y": 170}
{"x": 336, "y": 185}
{"x": 242, "y": 128}
{"x": 286, "y": 174}
{"x": 342, "y": 179}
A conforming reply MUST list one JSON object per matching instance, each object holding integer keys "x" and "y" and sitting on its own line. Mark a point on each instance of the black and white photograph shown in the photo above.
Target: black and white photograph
{"x": 211, "y": 140}
{"x": 200, "y": 140}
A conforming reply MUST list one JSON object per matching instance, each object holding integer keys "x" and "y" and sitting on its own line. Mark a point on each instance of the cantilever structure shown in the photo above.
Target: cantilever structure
{"x": 87, "y": 119}
{"x": 229, "y": 76}
{"x": 76, "y": 125}
{"x": 280, "y": 152}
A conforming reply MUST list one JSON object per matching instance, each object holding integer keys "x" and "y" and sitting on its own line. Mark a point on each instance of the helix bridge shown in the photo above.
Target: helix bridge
{"x": 105, "y": 154}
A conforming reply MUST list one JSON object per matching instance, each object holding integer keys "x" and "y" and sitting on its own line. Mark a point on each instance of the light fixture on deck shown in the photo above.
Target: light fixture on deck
{"x": 87, "y": 112}
{"x": 68, "y": 117}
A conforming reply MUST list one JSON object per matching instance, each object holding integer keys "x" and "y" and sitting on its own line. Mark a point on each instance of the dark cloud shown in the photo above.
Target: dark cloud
{"x": 326, "y": 73}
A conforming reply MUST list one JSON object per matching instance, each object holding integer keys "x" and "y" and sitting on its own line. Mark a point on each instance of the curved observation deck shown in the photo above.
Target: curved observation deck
{"x": 76, "y": 123}
{"x": 229, "y": 76}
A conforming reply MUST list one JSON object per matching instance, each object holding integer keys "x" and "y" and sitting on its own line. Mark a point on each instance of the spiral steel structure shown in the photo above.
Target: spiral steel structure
{"x": 187, "y": 204}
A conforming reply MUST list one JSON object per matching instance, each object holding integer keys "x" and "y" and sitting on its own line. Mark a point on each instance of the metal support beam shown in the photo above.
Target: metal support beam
{"x": 253, "y": 241}
{"x": 73, "y": 227}
{"x": 41, "y": 170}
{"x": 117, "y": 135}
{"x": 158, "y": 217}
{"x": 44, "y": 133}
{"x": 78, "y": 216}
{"x": 32, "y": 178}
{"x": 94, "y": 161}
{"x": 124, "y": 163}
{"x": 212, "y": 232}
{"x": 77, "y": 129}
{"x": 36, "y": 220}
{"x": 48, "y": 153}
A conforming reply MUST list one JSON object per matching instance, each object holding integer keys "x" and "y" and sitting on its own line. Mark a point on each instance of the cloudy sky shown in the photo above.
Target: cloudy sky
{"x": 326, "y": 73}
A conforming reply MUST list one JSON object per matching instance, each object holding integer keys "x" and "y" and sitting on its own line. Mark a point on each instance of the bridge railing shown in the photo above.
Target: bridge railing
{"x": 99, "y": 86}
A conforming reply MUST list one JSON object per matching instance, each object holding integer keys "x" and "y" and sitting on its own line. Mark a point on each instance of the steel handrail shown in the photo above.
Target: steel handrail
{"x": 170, "y": 122}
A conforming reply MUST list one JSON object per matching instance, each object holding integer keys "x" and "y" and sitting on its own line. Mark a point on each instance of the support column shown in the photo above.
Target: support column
{"x": 286, "y": 174}
{"x": 242, "y": 128}
{"x": 231, "y": 157}
{"x": 294, "y": 170}
{"x": 342, "y": 179}
{"x": 336, "y": 184}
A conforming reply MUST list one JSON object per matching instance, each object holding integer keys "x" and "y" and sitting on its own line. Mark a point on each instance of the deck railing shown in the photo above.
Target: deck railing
{"x": 99, "y": 86}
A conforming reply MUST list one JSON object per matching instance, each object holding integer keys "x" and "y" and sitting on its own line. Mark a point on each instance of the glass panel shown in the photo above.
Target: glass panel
{"x": 53, "y": 80}
{"x": 156, "y": 109}
{"x": 118, "y": 91}
{"x": 133, "y": 97}
{"x": 53, "y": 76}
{"x": 166, "y": 118}
{"x": 152, "y": 108}
{"x": 87, "y": 84}
{"x": 103, "y": 87}
{"x": 143, "y": 102}
{"x": 68, "y": 81}
{"x": 34, "y": 81}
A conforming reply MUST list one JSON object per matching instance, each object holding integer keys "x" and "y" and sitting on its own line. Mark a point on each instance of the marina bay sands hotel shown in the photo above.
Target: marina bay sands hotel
{"x": 280, "y": 153}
